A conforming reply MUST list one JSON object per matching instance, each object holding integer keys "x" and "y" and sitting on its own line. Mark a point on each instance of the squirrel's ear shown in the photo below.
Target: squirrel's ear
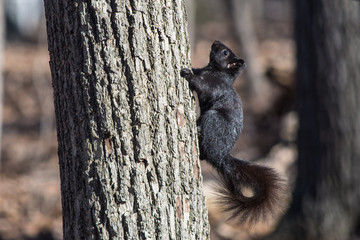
{"x": 216, "y": 42}
{"x": 216, "y": 46}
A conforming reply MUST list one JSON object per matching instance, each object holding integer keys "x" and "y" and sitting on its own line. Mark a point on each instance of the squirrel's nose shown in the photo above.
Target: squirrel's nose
{"x": 241, "y": 63}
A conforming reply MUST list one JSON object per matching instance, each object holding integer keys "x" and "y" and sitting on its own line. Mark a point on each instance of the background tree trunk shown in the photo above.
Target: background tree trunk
{"x": 327, "y": 194}
{"x": 125, "y": 120}
{"x": 260, "y": 93}
{"x": 2, "y": 44}
{"x": 243, "y": 21}
{"x": 191, "y": 20}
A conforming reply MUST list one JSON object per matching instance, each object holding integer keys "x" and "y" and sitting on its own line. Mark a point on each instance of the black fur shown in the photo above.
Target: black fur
{"x": 219, "y": 126}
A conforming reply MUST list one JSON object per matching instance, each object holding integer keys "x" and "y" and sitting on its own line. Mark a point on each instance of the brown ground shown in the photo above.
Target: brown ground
{"x": 30, "y": 206}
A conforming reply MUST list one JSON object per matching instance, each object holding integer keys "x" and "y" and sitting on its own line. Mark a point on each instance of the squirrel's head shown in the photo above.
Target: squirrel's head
{"x": 224, "y": 59}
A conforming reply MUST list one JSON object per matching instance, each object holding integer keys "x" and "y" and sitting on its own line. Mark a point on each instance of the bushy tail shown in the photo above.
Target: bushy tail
{"x": 250, "y": 192}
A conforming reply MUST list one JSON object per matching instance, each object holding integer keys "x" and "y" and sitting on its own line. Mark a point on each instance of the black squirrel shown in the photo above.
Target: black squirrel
{"x": 219, "y": 126}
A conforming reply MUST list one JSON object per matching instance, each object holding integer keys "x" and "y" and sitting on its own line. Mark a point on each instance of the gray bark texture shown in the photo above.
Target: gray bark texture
{"x": 125, "y": 120}
{"x": 326, "y": 199}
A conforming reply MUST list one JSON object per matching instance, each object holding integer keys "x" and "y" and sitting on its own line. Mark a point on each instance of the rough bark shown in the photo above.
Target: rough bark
{"x": 125, "y": 120}
{"x": 327, "y": 196}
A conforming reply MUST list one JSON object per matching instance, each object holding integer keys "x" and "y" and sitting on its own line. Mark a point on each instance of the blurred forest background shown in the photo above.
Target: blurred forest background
{"x": 259, "y": 31}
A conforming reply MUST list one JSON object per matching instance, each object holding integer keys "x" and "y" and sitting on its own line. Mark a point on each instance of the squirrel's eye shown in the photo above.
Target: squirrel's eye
{"x": 226, "y": 53}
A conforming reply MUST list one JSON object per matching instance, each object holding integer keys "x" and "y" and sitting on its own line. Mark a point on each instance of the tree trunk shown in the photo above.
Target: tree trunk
{"x": 125, "y": 120}
{"x": 2, "y": 45}
{"x": 326, "y": 200}
{"x": 191, "y": 19}
{"x": 260, "y": 93}
{"x": 242, "y": 19}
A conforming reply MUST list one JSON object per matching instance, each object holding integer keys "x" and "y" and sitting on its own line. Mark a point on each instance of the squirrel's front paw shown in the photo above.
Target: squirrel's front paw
{"x": 199, "y": 131}
{"x": 185, "y": 73}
